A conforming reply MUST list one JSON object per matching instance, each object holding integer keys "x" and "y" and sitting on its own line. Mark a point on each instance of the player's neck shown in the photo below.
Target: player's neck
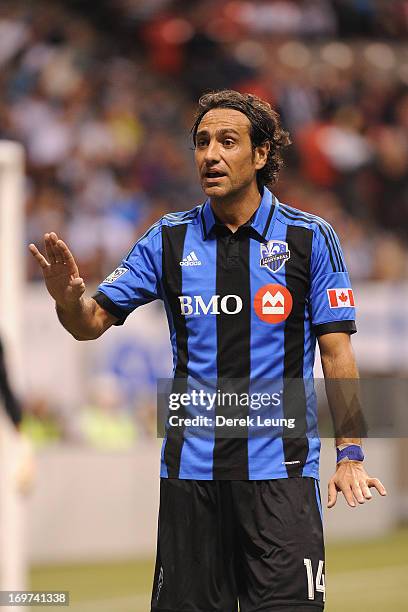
{"x": 235, "y": 210}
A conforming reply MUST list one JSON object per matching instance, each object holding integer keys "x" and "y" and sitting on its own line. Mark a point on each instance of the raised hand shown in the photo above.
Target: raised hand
{"x": 60, "y": 270}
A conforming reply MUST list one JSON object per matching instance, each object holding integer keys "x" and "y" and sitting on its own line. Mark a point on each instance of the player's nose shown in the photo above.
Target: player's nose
{"x": 212, "y": 152}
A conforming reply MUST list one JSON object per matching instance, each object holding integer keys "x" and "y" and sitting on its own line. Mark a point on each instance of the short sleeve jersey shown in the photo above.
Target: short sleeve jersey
{"x": 241, "y": 306}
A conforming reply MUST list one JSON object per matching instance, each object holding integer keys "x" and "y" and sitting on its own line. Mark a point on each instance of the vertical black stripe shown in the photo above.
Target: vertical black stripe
{"x": 203, "y": 222}
{"x": 173, "y": 247}
{"x": 233, "y": 351}
{"x": 296, "y": 447}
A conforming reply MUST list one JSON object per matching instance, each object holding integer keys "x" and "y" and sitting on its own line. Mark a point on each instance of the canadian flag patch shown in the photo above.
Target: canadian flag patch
{"x": 340, "y": 298}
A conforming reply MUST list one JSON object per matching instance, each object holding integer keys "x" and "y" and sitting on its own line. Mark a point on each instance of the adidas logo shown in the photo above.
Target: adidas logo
{"x": 190, "y": 260}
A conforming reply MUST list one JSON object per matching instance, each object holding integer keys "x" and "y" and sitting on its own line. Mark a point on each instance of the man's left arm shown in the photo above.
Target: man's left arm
{"x": 339, "y": 365}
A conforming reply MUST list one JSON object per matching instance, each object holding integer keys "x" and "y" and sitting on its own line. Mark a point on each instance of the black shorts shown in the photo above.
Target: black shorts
{"x": 258, "y": 542}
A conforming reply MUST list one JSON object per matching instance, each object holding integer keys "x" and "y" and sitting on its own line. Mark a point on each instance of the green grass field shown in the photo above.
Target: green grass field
{"x": 360, "y": 577}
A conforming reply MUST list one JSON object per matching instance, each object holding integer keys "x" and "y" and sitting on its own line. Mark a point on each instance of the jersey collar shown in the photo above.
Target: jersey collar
{"x": 261, "y": 222}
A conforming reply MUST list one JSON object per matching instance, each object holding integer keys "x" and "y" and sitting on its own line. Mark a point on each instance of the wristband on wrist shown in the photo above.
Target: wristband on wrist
{"x": 352, "y": 452}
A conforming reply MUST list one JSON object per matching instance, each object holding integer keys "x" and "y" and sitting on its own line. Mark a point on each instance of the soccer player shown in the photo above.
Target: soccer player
{"x": 248, "y": 284}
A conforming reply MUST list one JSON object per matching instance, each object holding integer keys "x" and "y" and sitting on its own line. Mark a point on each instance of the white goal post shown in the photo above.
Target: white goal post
{"x": 13, "y": 566}
{"x": 12, "y": 252}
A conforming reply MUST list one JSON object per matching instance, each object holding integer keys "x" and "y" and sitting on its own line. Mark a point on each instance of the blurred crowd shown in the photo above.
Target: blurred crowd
{"x": 106, "y": 421}
{"x": 102, "y": 96}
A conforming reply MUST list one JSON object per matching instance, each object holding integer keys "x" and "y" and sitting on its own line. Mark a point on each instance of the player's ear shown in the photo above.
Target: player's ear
{"x": 261, "y": 154}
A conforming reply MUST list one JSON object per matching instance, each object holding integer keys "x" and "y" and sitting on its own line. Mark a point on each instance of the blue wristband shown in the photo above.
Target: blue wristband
{"x": 354, "y": 452}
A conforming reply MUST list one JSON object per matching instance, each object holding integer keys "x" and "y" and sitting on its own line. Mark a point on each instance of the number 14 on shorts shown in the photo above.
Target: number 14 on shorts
{"x": 320, "y": 584}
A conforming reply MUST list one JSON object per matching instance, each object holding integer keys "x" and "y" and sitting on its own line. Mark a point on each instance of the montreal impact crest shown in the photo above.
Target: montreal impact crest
{"x": 274, "y": 255}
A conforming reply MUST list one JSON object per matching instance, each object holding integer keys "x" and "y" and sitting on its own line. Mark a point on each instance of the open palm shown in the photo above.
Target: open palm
{"x": 60, "y": 270}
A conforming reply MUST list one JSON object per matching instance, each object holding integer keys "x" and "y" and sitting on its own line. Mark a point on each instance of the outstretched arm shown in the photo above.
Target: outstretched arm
{"x": 80, "y": 315}
{"x": 341, "y": 376}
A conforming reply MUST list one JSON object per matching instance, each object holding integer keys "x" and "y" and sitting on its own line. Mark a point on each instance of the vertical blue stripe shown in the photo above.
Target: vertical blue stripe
{"x": 172, "y": 331}
{"x": 312, "y": 463}
{"x": 197, "y": 452}
{"x": 163, "y": 467}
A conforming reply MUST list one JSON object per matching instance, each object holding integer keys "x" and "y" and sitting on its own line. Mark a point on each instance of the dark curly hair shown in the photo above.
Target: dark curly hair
{"x": 265, "y": 126}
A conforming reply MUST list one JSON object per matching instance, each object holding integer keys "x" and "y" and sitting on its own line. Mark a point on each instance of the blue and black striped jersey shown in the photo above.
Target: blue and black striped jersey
{"x": 241, "y": 306}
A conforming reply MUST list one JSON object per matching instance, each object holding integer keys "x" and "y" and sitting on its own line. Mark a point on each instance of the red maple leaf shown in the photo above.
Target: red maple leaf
{"x": 343, "y": 297}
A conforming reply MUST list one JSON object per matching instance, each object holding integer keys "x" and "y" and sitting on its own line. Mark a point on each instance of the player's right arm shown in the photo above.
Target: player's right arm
{"x": 82, "y": 316}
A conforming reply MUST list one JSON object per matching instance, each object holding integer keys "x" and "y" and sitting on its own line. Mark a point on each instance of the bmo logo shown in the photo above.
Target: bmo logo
{"x": 273, "y": 303}
{"x": 195, "y": 305}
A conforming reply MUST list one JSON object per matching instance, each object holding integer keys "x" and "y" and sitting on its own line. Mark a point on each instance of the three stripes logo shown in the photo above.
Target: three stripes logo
{"x": 190, "y": 260}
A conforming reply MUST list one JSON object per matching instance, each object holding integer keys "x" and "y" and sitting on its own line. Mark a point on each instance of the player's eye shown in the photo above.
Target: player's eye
{"x": 201, "y": 142}
{"x": 229, "y": 142}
